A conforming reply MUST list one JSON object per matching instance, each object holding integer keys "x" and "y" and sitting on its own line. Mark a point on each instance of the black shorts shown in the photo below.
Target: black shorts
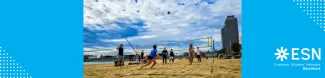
{"x": 149, "y": 57}
{"x": 141, "y": 57}
{"x": 198, "y": 56}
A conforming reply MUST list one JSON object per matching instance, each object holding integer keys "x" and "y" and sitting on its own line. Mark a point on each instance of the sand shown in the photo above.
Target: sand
{"x": 223, "y": 68}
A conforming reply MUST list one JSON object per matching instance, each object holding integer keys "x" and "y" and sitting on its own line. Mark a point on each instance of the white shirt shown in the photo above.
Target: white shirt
{"x": 198, "y": 52}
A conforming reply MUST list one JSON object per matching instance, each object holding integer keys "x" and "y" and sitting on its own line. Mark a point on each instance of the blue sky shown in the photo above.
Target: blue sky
{"x": 108, "y": 22}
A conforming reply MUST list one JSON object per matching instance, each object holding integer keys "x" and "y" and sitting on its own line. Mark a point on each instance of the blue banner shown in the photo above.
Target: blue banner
{"x": 41, "y": 39}
{"x": 283, "y": 39}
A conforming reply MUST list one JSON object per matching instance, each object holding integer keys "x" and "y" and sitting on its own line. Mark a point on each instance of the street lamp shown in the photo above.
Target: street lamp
{"x": 229, "y": 46}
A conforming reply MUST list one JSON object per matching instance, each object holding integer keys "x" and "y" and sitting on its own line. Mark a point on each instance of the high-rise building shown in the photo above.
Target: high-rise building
{"x": 229, "y": 33}
{"x": 223, "y": 37}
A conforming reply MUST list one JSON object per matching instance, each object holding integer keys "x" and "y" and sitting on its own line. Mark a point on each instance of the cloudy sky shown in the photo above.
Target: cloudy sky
{"x": 108, "y": 22}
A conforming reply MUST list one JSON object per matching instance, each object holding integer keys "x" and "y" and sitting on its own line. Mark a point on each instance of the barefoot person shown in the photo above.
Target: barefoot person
{"x": 120, "y": 57}
{"x": 198, "y": 54}
{"x": 191, "y": 54}
{"x": 172, "y": 55}
{"x": 151, "y": 57}
{"x": 165, "y": 53}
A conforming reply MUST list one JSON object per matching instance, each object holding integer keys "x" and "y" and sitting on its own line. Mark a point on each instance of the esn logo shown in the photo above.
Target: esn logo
{"x": 307, "y": 53}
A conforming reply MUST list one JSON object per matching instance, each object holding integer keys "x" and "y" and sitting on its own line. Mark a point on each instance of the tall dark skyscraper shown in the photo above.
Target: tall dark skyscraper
{"x": 229, "y": 33}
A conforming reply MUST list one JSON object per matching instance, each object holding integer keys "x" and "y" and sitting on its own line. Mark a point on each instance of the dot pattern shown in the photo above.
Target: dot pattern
{"x": 315, "y": 9}
{"x": 9, "y": 68}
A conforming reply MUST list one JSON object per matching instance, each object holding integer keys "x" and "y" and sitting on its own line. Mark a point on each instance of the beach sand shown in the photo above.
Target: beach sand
{"x": 222, "y": 68}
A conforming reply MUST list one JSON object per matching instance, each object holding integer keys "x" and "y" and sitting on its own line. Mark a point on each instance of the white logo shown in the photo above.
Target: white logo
{"x": 298, "y": 53}
{"x": 281, "y": 53}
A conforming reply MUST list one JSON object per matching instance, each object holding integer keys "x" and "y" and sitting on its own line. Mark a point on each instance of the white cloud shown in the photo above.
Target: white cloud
{"x": 185, "y": 21}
